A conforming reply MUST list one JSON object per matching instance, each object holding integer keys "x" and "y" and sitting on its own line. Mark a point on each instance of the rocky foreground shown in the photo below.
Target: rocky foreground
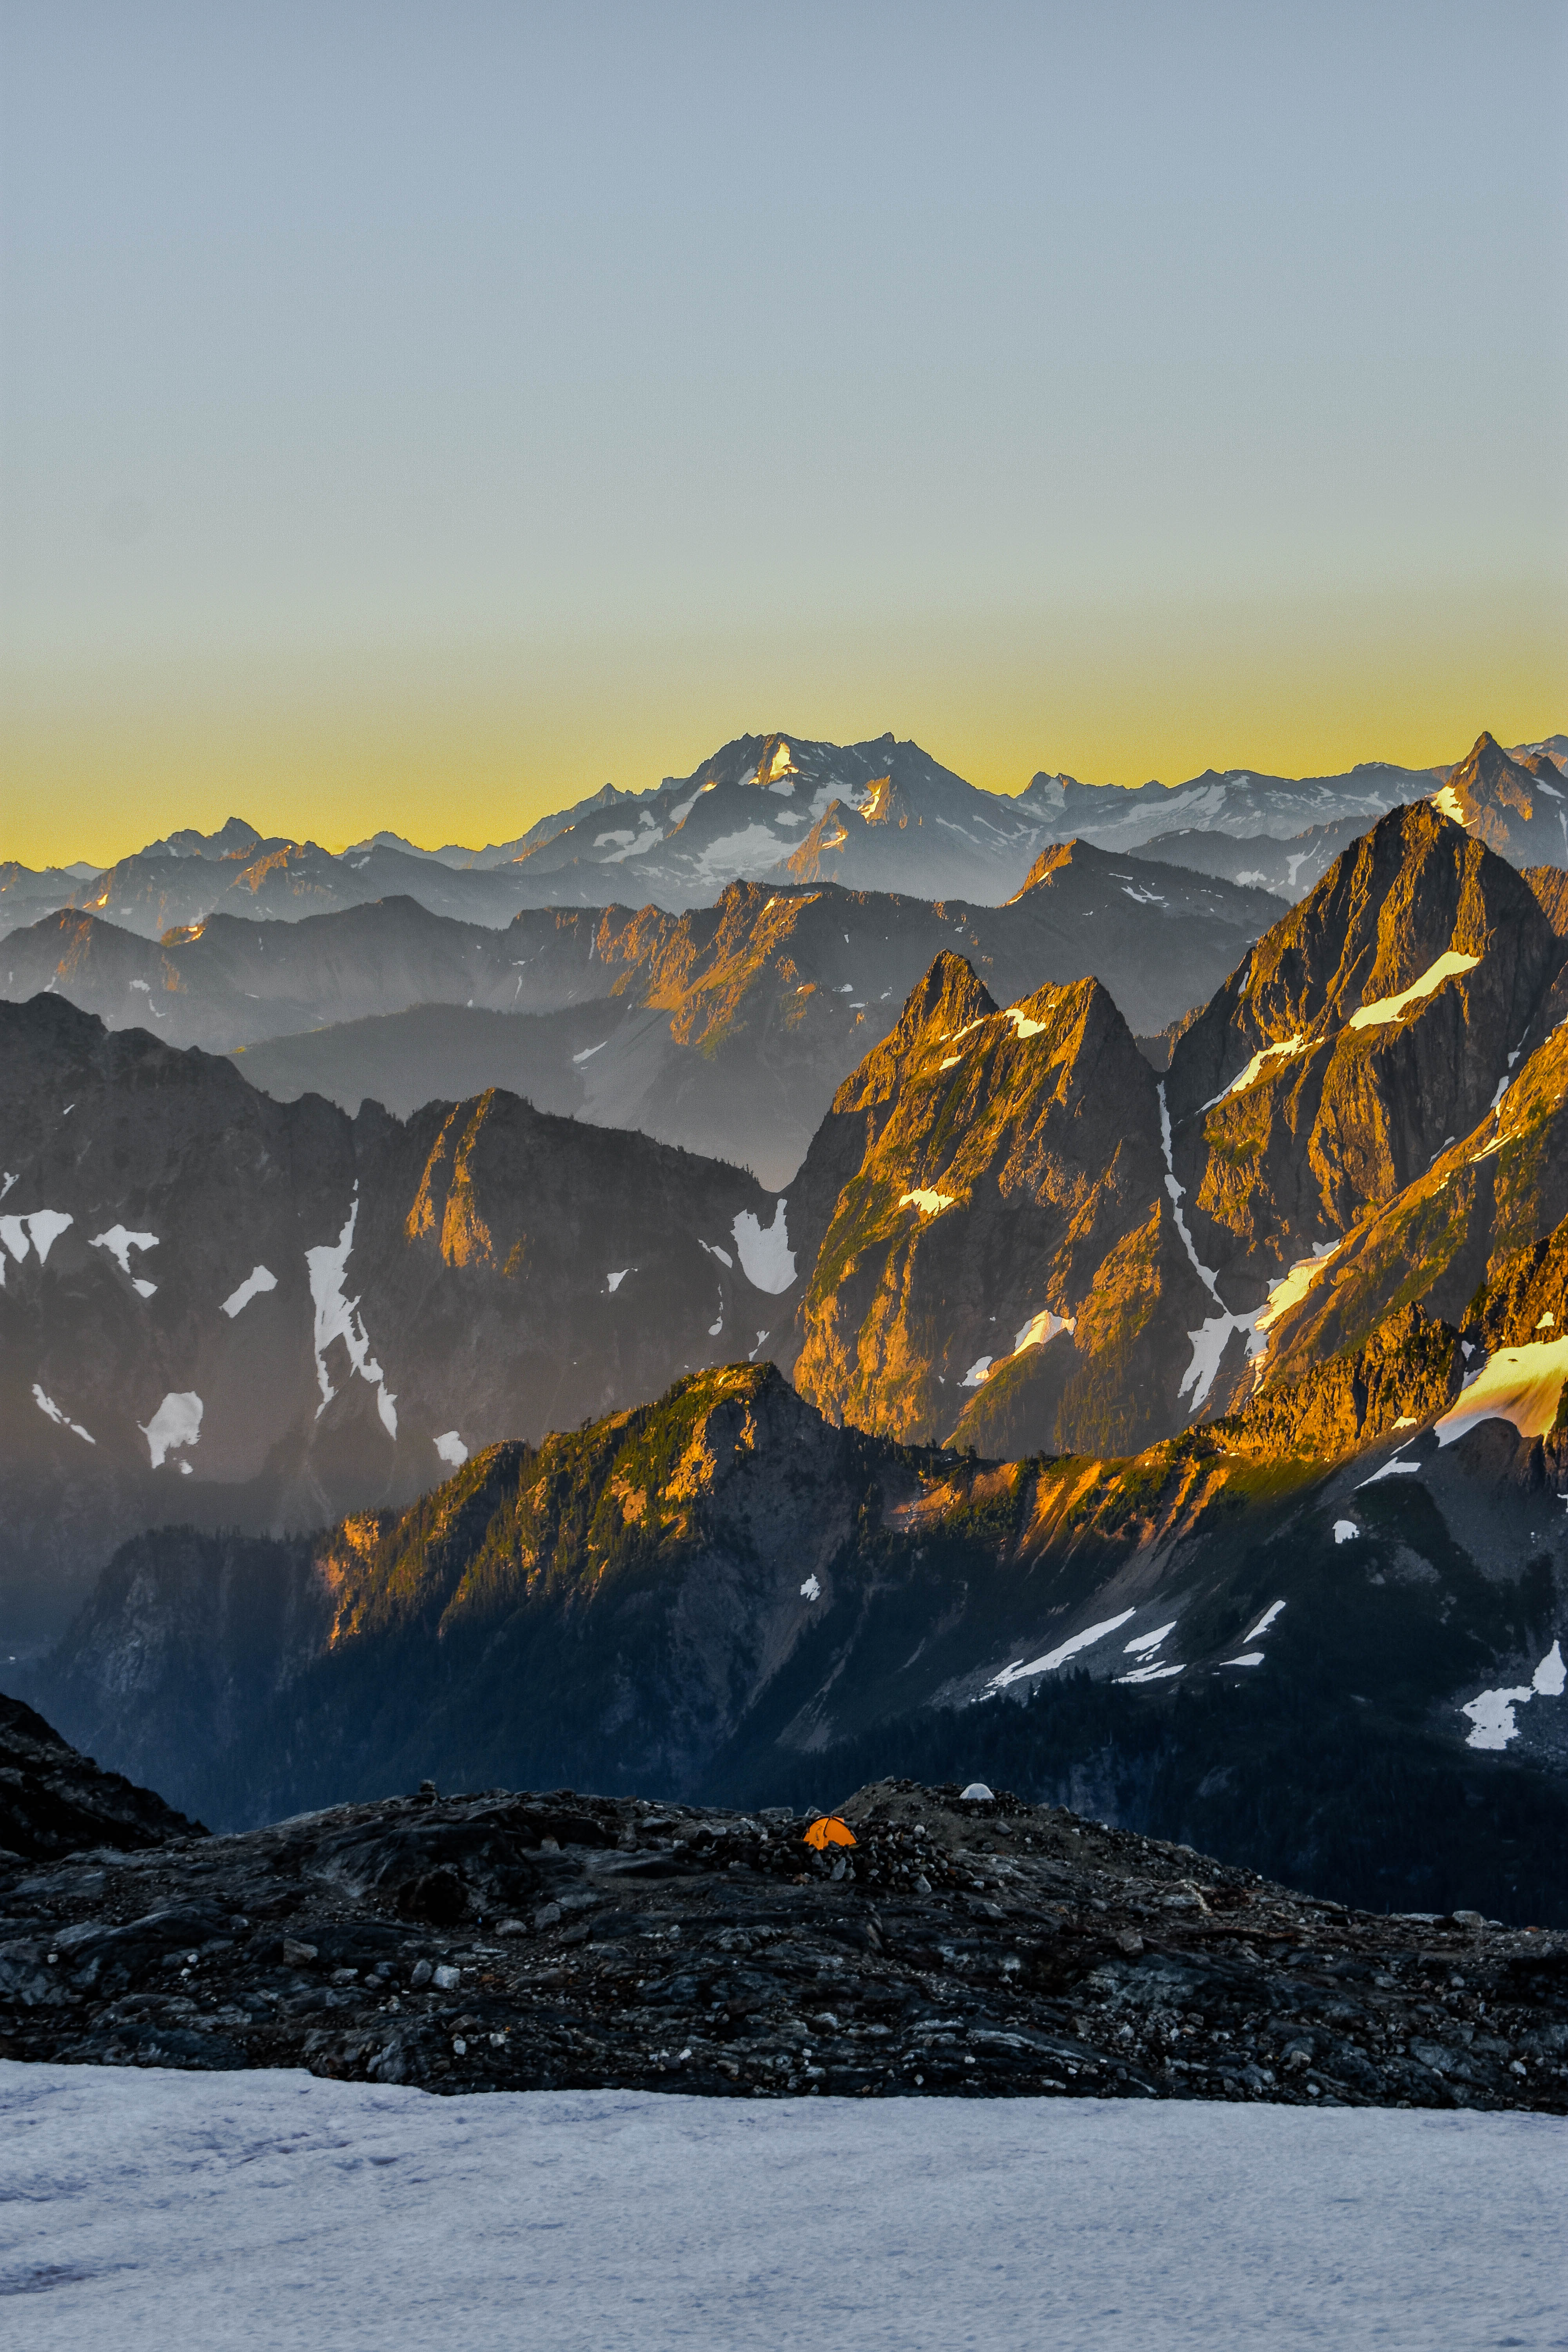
{"x": 523, "y": 1942}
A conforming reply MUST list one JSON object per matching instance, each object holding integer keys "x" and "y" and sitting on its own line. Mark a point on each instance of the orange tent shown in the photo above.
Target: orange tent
{"x": 829, "y": 1831}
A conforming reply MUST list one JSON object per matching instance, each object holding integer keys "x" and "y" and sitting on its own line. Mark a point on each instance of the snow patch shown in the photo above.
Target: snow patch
{"x": 51, "y": 1412}
{"x": 1264, "y": 1623}
{"x": 1248, "y": 1658}
{"x": 338, "y": 1317}
{"x": 258, "y": 1279}
{"x": 176, "y": 1423}
{"x": 614, "y": 1281}
{"x": 120, "y": 1243}
{"x": 1018, "y": 1671}
{"x": 929, "y": 1203}
{"x": 1518, "y": 1384}
{"x": 1287, "y": 1045}
{"x": 1491, "y": 1712}
{"x": 451, "y": 1448}
{"x": 811, "y": 1589}
{"x": 766, "y": 1259}
{"x": 713, "y": 1250}
{"x": 1446, "y": 804}
{"x": 1142, "y": 1643}
{"x": 44, "y": 1226}
{"x": 1393, "y": 1008}
{"x": 975, "y": 1377}
{"x": 589, "y": 1051}
{"x": 1345, "y": 1531}
{"x": 1041, "y": 1327}
{"x": 1022, "y": 1024}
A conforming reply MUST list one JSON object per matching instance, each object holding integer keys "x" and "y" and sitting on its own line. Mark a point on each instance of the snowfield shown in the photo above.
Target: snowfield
{"x": 174, "y": 2210}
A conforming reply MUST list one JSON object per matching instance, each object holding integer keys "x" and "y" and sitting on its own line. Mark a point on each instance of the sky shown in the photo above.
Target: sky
{"x": 419, "y": 416}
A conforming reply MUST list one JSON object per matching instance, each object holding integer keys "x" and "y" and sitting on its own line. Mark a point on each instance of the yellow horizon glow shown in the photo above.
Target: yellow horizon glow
{"x": 473, "y": 744}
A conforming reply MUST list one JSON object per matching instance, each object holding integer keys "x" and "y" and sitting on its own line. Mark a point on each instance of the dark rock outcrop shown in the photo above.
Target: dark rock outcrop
{"x": 961, "y": 1946}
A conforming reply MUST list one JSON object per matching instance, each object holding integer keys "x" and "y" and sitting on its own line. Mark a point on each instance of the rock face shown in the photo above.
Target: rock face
{"x": 989, "y": 1188}
{"x": 55, "y": 1804}
{"x": 221, "y": 1308}
{"x": 962, "y": 1945}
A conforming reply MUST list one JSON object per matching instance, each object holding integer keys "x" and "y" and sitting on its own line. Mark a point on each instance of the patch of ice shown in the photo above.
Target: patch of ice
{"x": 176, "y": 1423}
{"x": 258, "y": 1279}
{"x": 51, "y": 1412}
{"x": 766, "y": 1259}
{"x": 975, "y": 1377}
{"x": 120, "y": 1243}
{"x": 1264, "y": 1623}
{"x": 1019, "y": 1671}
{"x": 451, "y": 1448}
{"x": 929, "y": 1203}
{"x": 1141, "y": 1642}
{"x": 811, "y": 1589}
{"x": 1345, "y": 1531}
{"x": 1518, "y": 1384}
{"x": 337, "y": 1316}
{"x": 1393, "y": 1008}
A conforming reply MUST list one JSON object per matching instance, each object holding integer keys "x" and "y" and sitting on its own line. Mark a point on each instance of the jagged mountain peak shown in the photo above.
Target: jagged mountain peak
{"x": 1516, "y": 805}
{"x": 1413, "y": 907}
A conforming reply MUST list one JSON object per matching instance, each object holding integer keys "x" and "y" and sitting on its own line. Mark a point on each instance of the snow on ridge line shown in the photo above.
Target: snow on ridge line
{"x": 766, "y": 1259}
{"x": 51, "y": 1412}
{"x": 451, "y": 1448}
{"x": 258, "y": 1279}
{"x": 177, "y": 1424}
{"x": 338, "y": 1317}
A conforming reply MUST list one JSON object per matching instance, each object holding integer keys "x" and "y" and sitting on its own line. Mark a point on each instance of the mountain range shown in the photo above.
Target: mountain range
{"x": 725, "y": 1029}
{"x": 1187, "y": 1403}
{"x": 880, "y": 815}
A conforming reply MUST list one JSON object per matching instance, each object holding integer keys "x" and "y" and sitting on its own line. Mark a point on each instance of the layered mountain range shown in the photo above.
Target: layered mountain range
{"x": 726, "y": 1029}
{"x": 1204, "y": 1391}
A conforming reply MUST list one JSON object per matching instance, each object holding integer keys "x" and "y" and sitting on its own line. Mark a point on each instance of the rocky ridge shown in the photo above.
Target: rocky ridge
{"x": 963, "y": 1946}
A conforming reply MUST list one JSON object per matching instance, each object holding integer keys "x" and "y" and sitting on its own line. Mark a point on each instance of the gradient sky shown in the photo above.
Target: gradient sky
{"x": 417, "y": 415}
